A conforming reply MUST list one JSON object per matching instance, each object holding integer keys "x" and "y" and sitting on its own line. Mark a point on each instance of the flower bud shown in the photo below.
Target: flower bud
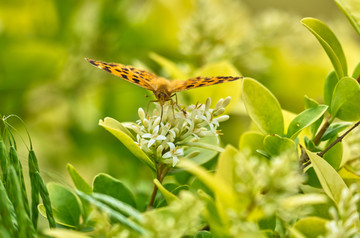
{"x": 223, "y": 118}
{"x": 219, "y": 104}
{"x": 219, "y": 112}
{"x": 141, "y": 114}
{"x": 226, "y": 101}
{"x": 207, "y": 104}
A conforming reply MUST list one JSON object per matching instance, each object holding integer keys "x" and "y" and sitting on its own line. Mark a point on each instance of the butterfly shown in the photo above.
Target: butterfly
{"x": 162, "y": 88}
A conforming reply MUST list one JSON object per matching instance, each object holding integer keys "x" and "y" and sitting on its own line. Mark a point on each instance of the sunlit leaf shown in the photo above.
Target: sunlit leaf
{"x": 351, "y": 9}
{"x": 263, "y": 108}
{"x": 65, "y": 205}
{"x": 305, "y": 119}
{"x": 329, "y": 179}
{"x": 115, "y": 128}
{"x": 105, "y": 184}
{"x": 345, "y": 102}
{"x": 329, "y": 42}
{"x": 276, "y": 145}
{"x": 78, "y": 181}
{"x": 311, "y": 227}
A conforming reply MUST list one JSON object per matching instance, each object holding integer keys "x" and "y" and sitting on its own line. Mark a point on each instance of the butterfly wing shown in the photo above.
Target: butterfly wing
{"x": 139, "y": 77}
{"x": 179, "y": 85}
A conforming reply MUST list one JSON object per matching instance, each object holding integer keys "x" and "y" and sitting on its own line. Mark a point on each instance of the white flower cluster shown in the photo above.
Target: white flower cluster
{"x": 163, "y": 138}
{"x": 345, "y": 222}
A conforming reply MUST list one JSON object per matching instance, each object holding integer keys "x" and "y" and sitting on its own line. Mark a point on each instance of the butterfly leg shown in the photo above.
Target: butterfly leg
{"x": 176, "y": 103}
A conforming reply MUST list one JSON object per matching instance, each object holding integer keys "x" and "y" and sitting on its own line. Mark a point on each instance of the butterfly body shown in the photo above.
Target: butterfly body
{"x": 162, "y": 88}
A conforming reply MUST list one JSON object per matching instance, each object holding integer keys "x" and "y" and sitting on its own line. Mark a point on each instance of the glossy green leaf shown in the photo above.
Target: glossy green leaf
{"x": 311, "y": 227}
{"x": 329, "y": 179}
{"x": 251, "y": 141}
{"x": 351, "y": 9}
{"x": 276, "y": 145}
{"x": 115, "y": 128}
{"x": 65, "y": 205}
{"x": 334, "y": 155}
{"x": 311, "y": 103}
{"x": 262, "y": 107}
{"x": 305, "y": 119}
{"x": 105, "y": 184}
{"x": 334, "y": 129}
{"x": 78, "y": 181}
{"x": 330, "y": 83}
{"x": 330, "y": 44}
{"x": 345, "y": 103}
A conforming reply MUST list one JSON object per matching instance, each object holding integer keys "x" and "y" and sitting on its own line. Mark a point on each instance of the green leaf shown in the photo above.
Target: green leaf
{"x": 113, "y": 213}
{"x": 105, "y": 184}
{"x": 169, "y": 197}
{"x": 207, "y": 147}
{"x": 311, "y": 227}
{"x": 330, "y": 83}
{"x": 356, "y": 73}
{"x": 276, "y": 145}
{"x": 329, "y": 179}
{"x": 334, "y": 129}
{"x": 351, "y": 9}
{"x": 78, "y": 181}
{"x": 61, "y": 233}
{"x": 305, "y": 119}
{"x": 345, "y": 103}
{"x": 310, "y": 103}
{"x": 65, "y": 205}
{"x": 226, "y": 165}
{"x": 119, "y": 206}
{"x": 334, "y": 155}
{"x": 115, "y": 128}
{"x": 262, "y": 107}
{"x": 329, "y": 42}
{"x": 203, "y": 234}
{"x": 251, "y": 141}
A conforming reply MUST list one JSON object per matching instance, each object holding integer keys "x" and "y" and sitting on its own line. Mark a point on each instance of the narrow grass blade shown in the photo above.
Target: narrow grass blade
{"x": 25, "y": 225}
{"x": 19, "y": 172}
{"x": 5, "y": 212}
{"x": 35, "y": 189}
{"x": 46, "y": 200}
{"x": 4, "y": 161}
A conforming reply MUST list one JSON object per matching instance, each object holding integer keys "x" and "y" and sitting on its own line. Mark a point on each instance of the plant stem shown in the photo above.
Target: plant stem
{"x": 160, "y": 175}
{"x": 318, "y": 136}
{"x": 339, "y": 139}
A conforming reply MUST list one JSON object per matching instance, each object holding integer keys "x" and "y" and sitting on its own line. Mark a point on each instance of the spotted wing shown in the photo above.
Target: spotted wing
{"x": 197, "y": 82}
{"x": 139, "y": 77}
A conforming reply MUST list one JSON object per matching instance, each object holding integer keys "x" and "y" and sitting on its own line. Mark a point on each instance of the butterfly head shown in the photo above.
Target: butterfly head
{"x": 162, "y": 94}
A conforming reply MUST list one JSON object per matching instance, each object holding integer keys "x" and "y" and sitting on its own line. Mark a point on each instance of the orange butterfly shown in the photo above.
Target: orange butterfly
{"x": 162, "y": 88}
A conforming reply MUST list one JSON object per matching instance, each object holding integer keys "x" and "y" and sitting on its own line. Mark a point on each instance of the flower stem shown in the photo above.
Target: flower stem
{"x": 160, "y": 175}
{"x": 318, "y": 136}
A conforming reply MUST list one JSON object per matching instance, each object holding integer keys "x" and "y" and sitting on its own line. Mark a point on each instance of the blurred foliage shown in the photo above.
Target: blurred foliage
{"x": 45, "y": 79}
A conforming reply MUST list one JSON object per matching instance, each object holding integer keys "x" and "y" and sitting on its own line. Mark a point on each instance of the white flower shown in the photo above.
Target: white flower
{"x": 154, "y": 136}
{"x": 174, "y": 153}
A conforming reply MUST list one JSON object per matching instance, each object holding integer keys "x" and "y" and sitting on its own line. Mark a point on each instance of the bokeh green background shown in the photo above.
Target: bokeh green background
{"x": 46, "y": 81}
